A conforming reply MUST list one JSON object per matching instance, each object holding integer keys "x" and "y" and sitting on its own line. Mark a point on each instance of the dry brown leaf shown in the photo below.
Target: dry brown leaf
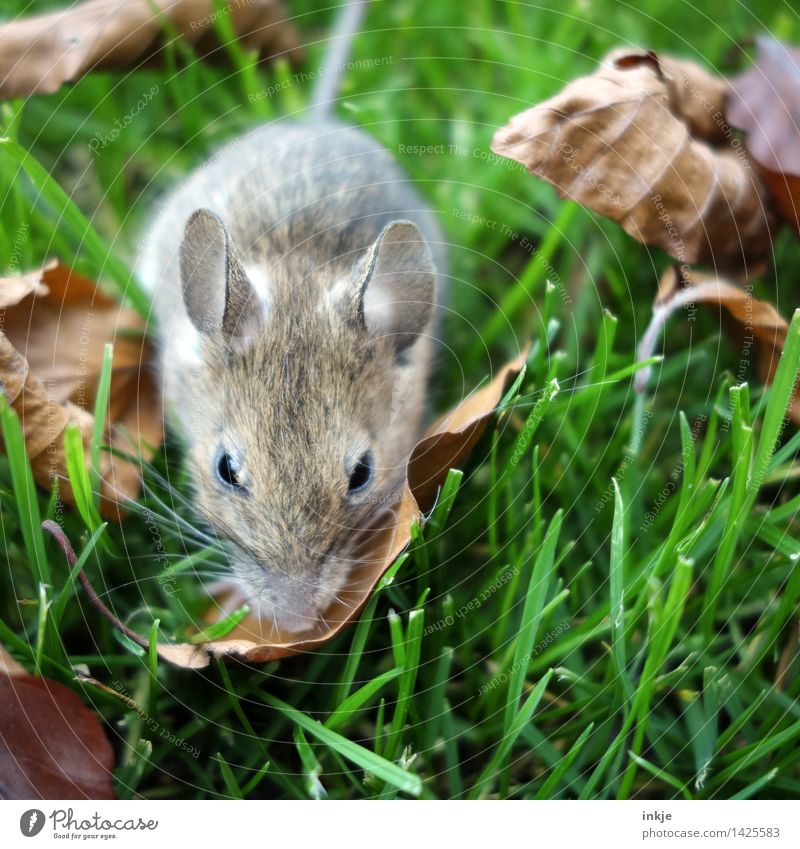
{"x": 51, "y": 745}
{"x": 9, "y": 666}
{"x": 55, "y": 327}
{"x": 754, "y": 323}
{"x": 765, "y": 103}
{"x": 620, "y": 142}
{"x": 41, "y": 53}
{"x": 696, "y": 97}
{"x": 257, "y": 640}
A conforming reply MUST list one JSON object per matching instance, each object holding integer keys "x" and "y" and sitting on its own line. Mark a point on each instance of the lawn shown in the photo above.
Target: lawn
{"x": 607, "y": 606}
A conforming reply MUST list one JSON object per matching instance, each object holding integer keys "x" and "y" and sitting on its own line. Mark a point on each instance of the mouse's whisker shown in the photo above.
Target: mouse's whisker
{"x": 175, "y": 520}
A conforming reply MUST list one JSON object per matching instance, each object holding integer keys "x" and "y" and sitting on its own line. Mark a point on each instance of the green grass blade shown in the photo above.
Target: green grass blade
{"x": 79, "y": 477}
{"x": 25, "y": 493}
{"x": 541, "y": 579}
{"x": 560, "y": 770}
{"x": 100, "y": 417}
{"x": 355, "y": 701}
{"x": 387, "y": 771}
{"x": 521, "y": 718}
{"x": 88, "y": 237}
{"x": 617, "y": 590}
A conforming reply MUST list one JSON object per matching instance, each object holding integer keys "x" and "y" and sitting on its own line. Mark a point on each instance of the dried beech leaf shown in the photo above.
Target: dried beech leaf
{"x": 696, "y": 97}
{"x": 42, "y": 52}
{"x": 9, "y": 666}
{"x": 446, "y": 443}
{"x": 51, "y": 745}
{"x": 765, "y": 103}
{"x": 620, "y": 143}
{"x": 15, "y": 289}
{"x": 754, "y": 323}
{"x": 56, "y": 325}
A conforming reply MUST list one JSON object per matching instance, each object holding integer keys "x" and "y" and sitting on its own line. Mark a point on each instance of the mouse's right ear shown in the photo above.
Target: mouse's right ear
{"x": 219, "y": 298}
{"x": 397, "y": 287}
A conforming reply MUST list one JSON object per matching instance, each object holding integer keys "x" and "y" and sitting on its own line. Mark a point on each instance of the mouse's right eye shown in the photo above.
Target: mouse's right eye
{"x": 228, "y": 471}
{"x": 361, "y": 475}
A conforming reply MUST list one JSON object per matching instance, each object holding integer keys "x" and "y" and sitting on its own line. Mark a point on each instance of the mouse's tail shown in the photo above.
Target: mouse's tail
{"x": 340, "y": 45}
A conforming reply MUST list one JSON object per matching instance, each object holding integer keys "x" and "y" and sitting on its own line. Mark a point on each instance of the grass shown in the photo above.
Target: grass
{"x": 604, "y": 605}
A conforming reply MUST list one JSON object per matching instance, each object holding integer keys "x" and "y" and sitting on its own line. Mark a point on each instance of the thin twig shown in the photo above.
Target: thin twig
{"x": 61, "y": 538}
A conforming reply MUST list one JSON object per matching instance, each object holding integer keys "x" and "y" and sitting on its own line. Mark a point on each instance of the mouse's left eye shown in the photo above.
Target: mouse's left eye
{"x": 361, "y": 474}
{"x": 228, "y": 471}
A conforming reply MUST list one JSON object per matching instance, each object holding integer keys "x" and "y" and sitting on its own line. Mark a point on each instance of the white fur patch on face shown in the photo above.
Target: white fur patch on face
{"x": 144, "y": 268}
{"x": 379, "y": 305}
{"x": 194, "y": 355}
{"x": 260, "y": 282}
{"x": 336, "y": 293}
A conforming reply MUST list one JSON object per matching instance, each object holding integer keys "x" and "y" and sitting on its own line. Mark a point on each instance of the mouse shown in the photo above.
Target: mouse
{"x": 296, "y": 280}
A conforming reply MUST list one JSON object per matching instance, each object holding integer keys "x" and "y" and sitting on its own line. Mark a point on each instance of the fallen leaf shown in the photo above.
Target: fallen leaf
{"x": 755, "y": 323}
{"x": 42, "y": 52}
{"x": 55, "y": 327}
{"x": 765, "y": 103}
{"x": 696, "y": 97}
{"x": 9, "y": 666}
{"x": 16, "y": 289}
{"x": 257, "y": 640}
{"x": 51, "y": 745}
{"x": 620, "y": 142}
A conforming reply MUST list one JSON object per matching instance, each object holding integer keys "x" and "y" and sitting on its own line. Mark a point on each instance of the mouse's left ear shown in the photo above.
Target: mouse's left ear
{"x": 397, "y": 285}
{"x": 217, "y": 293}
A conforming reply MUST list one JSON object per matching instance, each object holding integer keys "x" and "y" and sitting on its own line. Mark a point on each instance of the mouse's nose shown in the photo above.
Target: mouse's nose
{"x": 293, "y": 595}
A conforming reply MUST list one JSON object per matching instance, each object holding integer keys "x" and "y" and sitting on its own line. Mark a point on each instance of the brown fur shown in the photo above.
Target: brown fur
{"x": 306, "y": 387}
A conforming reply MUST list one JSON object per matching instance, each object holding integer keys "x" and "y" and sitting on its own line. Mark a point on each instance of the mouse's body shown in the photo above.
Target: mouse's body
{"x": 294, "y": 286}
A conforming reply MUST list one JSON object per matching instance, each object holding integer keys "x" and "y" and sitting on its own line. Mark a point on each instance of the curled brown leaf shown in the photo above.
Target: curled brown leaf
{"x": 43, "y": 52}
{"x": 765, "y": 102}
{"x": 622, "y": 142}
{"x": 51, "y": 745}
{"x": 754, "y": 323}
{"x": 695, "y": 97}
{"x": 55, "y": 327}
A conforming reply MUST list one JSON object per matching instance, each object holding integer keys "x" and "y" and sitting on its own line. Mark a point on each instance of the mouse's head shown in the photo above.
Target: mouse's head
{"x": 313, "y": 397}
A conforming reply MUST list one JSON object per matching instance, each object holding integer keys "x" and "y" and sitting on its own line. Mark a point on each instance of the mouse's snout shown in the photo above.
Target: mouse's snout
{"x": 292, "y": 595}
